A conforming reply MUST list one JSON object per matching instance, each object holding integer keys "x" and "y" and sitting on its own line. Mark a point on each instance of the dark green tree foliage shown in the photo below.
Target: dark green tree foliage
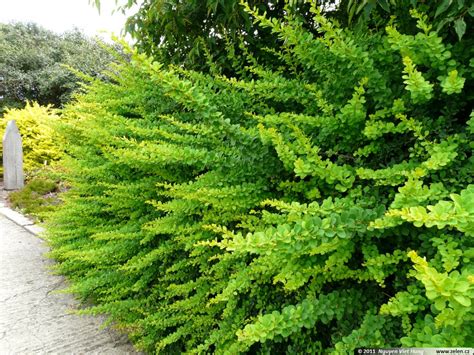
{"x": 190, "y": 32}
{"x": 317, "y": 208}
{"x": 448, "y": 16}
{"x": 32, "y": 63}
{"x": 193, "y": 32}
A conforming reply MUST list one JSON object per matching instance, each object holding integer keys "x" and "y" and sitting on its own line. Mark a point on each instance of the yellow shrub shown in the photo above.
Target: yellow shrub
{"x": 35, "y": 123}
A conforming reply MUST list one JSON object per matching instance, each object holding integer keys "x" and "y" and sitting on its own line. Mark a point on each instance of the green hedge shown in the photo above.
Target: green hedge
{"x": 319, "y": 208}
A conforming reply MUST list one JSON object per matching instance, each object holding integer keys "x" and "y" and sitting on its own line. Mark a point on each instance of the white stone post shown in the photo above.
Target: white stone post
{"x": 13, "y": 176}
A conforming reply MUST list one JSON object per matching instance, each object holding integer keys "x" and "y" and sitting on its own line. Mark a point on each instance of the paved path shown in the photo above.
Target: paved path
{"x": 32, "y": 319}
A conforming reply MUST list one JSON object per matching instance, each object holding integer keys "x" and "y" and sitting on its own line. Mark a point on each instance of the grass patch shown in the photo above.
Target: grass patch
{"x": 38, "y": 197}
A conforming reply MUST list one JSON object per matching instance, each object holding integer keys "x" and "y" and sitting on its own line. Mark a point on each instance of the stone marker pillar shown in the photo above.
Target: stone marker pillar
{"x": 13, "y": 177}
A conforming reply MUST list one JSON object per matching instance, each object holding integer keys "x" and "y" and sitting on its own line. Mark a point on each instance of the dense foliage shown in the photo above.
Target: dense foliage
{"x": 446, "y": 15}
{"x": 41, "y": 145}
{"x": 323, "y": 206}
{"x": 193, "y": 32}
{"x": 42, "y": 149}
{"x": 33, "y": 64}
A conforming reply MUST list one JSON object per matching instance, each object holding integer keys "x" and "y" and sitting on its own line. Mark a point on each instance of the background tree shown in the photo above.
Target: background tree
{"x": 195, "y": 33}
{"x": 33, "y": 59}
{"x": 448, "y": 17}
{"x": 210, "y": 34}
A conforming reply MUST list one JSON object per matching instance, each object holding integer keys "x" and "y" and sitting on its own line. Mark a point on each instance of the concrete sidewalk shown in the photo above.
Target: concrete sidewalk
{"x": 33, "y": 320}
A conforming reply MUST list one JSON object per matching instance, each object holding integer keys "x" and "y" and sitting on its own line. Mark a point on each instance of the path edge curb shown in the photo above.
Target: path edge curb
{"x": 20, "y": 220}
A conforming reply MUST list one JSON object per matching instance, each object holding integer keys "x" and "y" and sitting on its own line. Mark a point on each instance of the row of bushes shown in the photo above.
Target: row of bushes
{"x": 319, "y": 208}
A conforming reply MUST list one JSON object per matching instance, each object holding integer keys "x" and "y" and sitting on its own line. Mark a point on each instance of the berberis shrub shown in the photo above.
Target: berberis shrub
{"x": 40, "y": 144}
{"x": 319, "y": 207}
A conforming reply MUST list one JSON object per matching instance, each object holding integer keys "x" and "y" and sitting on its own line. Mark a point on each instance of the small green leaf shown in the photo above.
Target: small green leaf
{"x": 471, "y": 11}
{"x": 361, "y": 6}
{"x": 443, "y": 7}
{"x": 351, "y": 9}
{"x": 443, "y": 22}
{"x": 440, "y": 304}
{"x": 460, "y": 27}
{"x": 462, "y": 286}
{"x": 463, "y": 300}
{"x": 384, "y": 5}
{"x": 96, "y": 3}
